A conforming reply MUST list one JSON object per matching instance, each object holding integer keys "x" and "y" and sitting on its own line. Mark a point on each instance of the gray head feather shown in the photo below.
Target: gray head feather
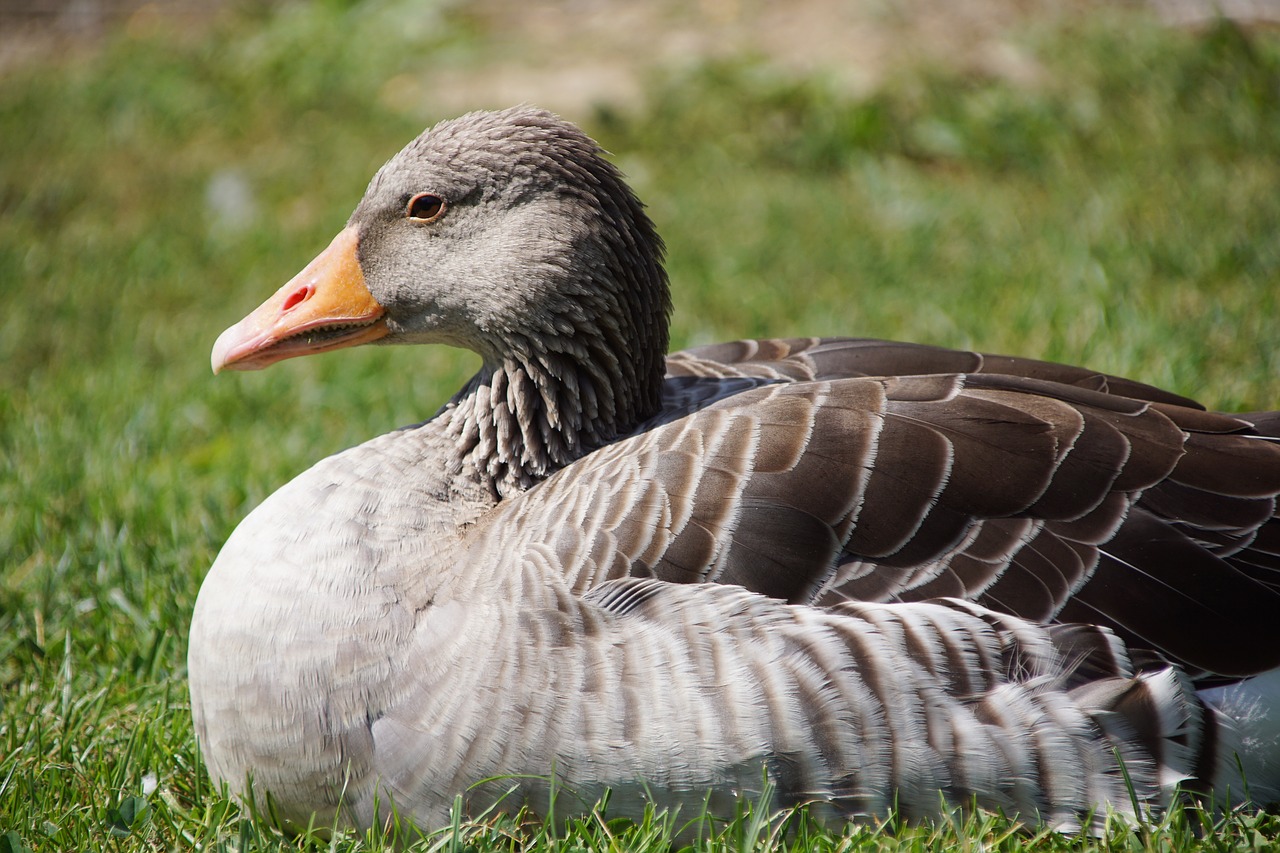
{"x": 544, "y": 263}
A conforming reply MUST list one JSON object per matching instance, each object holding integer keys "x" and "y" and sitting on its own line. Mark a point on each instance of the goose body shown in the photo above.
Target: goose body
{"x": 869, "y": 573}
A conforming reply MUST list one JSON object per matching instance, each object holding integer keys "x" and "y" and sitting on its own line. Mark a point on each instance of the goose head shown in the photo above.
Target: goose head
{"x": 506, "y": 233}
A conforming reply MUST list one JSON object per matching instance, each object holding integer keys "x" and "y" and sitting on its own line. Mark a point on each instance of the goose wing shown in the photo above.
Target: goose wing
{"x": 1047, "y": 492}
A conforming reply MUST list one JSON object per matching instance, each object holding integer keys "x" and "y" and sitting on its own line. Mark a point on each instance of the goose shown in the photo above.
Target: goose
{"x": 857, "y": 574}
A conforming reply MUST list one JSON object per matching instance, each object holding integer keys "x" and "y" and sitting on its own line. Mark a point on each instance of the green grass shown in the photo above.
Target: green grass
{"x": 1124, "y": 212}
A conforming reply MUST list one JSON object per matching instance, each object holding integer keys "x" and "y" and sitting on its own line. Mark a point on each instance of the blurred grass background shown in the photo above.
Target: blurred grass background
{"x": 1116, "y": 202}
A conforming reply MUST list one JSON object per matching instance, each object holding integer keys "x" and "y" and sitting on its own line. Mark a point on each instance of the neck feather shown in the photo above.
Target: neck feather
{"x": 542, "y": 407}
{"x": 585, "y": 363}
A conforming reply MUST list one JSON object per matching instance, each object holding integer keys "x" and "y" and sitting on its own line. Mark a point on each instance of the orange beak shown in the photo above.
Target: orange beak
{"x": 327, "y": 306}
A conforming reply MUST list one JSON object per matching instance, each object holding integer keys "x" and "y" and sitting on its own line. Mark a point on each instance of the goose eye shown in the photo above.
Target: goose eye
{"x": 425, "y": 207}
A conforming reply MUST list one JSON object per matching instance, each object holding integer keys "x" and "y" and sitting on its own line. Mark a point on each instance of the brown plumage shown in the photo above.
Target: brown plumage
{"x": 872, "y": 571}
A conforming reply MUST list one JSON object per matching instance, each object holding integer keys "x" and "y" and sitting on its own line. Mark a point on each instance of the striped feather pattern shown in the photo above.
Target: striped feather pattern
{"x": 665, "y": 692}
{"x": 1037, "y": 499}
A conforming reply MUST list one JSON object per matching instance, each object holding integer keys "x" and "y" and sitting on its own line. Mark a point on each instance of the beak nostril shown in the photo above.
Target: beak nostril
{"x": 299, "y": 296}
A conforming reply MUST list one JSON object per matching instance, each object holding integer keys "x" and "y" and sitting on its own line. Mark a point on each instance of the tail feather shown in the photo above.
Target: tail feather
{"x": 1250, "y": 761}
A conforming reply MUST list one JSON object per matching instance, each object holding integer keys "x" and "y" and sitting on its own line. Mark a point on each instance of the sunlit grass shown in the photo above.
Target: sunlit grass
{"x": 1123, "y": 212}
